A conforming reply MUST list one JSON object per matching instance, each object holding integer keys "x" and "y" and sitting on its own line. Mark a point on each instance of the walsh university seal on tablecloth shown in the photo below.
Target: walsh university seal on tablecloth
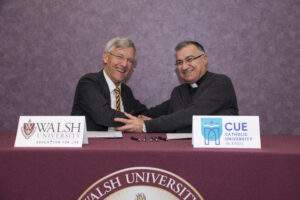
{"x": 141, "y": 183}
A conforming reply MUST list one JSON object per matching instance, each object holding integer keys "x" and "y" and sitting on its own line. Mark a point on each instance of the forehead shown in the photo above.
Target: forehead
{"x": 189, "y": 50}
{"x": 126, "y": 51}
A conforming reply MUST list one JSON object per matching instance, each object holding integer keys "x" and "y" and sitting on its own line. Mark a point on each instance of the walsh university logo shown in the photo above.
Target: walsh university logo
{"x": 141, "y": 183}
{"x": 28, "y": 129}
{"x": 211, "y": 129}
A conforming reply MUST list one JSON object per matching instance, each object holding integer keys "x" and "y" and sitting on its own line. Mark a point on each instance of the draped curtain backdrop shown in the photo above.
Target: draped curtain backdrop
{"x": 46, "y": 45}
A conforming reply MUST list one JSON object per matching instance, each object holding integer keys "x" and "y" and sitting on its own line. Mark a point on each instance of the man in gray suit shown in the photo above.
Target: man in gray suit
{"x": 103, "y": 96}
{"x": 202, "y": 93}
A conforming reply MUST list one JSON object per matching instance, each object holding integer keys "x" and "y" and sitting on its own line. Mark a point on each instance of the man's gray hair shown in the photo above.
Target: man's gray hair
{"x": 119, "y": 42}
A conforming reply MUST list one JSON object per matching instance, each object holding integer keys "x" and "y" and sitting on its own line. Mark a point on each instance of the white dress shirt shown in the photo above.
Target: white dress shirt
{"x": 112, "y": 87}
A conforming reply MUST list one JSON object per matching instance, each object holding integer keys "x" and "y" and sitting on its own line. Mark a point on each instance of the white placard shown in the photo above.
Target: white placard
{"x": 104, "y": 134}
{"x": 226, "y": 132}
{"x": 50, "y": 131}
{"x": 178, "y": 136}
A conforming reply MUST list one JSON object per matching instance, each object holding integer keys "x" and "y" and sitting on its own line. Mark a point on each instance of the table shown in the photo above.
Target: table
{"x": 272, "y": 172}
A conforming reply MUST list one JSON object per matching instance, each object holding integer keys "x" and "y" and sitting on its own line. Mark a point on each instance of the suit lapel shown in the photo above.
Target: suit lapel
{"x": 124, "y": 97}
{"x": 104, "y": 86}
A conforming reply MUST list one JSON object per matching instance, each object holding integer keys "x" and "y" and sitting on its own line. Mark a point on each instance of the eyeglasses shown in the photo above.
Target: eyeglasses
{"x": 188, "y": 59}
{"x": 122, "y": 58}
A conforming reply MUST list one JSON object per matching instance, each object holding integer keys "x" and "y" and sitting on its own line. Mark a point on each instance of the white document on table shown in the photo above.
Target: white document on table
{"x": 104, "y": 134}
{"x": 178, "y": 136}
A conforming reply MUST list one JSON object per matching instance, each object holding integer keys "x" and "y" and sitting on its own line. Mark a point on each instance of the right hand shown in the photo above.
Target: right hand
{"x": 144, "y": 118}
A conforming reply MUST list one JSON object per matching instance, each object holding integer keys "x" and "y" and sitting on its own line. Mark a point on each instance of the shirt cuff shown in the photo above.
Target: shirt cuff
{"x": 144, "y": 128}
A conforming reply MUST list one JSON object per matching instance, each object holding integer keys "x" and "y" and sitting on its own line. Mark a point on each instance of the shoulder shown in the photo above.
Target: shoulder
{"x": 91, "y": 76}
{"x": 218, "y": 78}
{"x": 180, "y": 88}
{"x": 91, "y": 80}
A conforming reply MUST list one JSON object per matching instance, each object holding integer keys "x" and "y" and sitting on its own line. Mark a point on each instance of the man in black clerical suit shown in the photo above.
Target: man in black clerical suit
{"x": 202, "y": 93}
{"x": 103, "y": 96}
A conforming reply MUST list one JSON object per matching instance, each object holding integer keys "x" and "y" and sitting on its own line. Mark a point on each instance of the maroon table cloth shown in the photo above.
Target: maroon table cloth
{"x": 272, "y": 172}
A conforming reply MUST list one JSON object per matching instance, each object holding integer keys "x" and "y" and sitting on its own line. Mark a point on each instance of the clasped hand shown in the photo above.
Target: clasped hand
{"x": 132, "y": 124}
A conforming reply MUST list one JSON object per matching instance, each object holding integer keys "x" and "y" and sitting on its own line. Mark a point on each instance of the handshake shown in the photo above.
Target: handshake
{"x": 132, "y": 124}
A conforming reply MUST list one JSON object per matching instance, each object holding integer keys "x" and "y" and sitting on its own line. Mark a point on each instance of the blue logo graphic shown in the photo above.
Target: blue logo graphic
{"x": 211, "y": 130}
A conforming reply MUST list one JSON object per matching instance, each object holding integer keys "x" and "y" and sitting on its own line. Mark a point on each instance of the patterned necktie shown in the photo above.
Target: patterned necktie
{"x": 118, "y": 98}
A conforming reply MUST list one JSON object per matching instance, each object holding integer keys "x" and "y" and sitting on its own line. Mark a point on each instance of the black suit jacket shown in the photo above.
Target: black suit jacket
{"x": 92, "y": 100}
{"x": 215, "y": 95}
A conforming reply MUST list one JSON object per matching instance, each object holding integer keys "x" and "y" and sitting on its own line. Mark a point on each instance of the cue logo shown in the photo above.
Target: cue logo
{"x": 28, "y": 129}
{"x": 141, "y": 183}
{"x": 211, "y": 129}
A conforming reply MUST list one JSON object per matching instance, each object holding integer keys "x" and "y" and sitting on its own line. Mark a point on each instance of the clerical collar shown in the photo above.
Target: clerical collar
{"x": 197, "y": 83}
{"x": 194, "y": 85}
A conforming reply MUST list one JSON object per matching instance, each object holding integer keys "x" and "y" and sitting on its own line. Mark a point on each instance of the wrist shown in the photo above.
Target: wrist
{"x": 144, "y": 128}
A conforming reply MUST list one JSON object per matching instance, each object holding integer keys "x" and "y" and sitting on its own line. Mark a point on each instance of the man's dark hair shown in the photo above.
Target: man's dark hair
{"x": 180, "y": 45}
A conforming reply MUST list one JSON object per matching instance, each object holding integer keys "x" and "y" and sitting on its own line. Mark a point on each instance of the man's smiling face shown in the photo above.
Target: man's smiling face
{"x": 119, "y": 63}
{"x": 191, "y": 63}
